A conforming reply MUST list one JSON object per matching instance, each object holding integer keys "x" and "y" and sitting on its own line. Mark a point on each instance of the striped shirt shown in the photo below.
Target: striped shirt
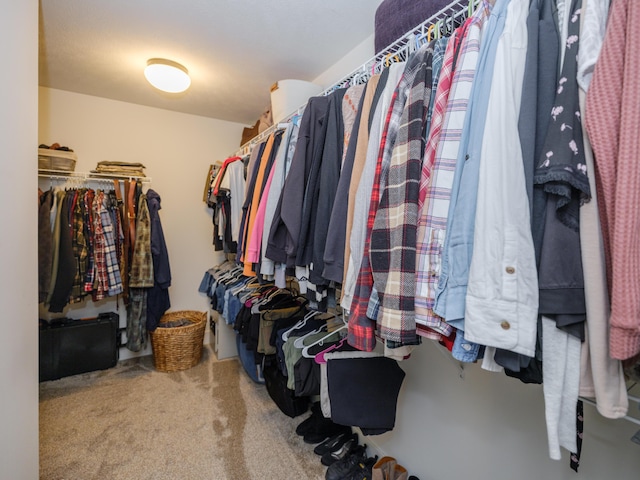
{"x": 437, "y": 186}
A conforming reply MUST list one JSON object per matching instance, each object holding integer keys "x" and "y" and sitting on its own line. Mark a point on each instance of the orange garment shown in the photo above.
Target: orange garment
{"x": 255, "y": 200}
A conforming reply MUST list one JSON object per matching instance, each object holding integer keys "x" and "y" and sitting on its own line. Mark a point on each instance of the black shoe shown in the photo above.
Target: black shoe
{"x": 340, "y": 469}
{"x": 363, "y": 470}
{"x": 323, "y": 430}
{"x": 333, "y": 443}
{"x": 329, "y": 458}
{"x": 307, "y": 424}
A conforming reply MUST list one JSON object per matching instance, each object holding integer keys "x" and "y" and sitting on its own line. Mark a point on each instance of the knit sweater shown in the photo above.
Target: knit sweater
{"x": 613, "y": 122}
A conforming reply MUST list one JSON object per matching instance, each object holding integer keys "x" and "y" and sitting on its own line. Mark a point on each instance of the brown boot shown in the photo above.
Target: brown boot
{"x": 383, "y": 469}
{"x": 399, "y": 473}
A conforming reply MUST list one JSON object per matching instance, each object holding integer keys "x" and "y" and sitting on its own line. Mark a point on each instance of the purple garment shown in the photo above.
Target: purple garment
{"x": 394, "y": 18}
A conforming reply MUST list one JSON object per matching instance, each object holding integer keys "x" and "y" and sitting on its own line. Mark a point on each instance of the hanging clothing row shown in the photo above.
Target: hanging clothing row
{"x": 454, "y": 197}
{"x": 301, "y": 354}
{"x": 104, "y": 243}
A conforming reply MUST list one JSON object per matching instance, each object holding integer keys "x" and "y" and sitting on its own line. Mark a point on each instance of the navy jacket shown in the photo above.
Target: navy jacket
{"x": 158, "y": 296}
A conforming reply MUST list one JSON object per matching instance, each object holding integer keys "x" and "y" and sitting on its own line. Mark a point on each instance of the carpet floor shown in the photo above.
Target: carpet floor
{"x": 132, "y": 422}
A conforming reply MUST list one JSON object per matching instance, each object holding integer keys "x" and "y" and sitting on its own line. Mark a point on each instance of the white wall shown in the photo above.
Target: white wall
{"x": 469, "y": 423}
{"x": 353, "y": 60}
{"x": 18, "y": 269}
{"x": 176, "y": 149}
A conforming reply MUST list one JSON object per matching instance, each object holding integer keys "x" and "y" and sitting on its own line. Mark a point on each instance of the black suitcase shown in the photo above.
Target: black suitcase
{"x": 69, "y": 347}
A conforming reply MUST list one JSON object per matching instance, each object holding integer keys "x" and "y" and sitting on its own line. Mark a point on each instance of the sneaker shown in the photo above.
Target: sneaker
{"x": 340, "y": 469}
{"x": 329, "y": 458}
{"x": 363, "y": 470}
{"x": 332, "y": 443}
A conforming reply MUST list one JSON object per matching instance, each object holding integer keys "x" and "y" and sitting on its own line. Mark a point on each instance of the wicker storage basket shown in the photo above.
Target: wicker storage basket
{"x": 178, "y": 348}
{"x": 56, "y": 160}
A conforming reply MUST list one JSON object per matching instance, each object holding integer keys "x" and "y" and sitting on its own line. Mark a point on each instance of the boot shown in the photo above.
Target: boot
{"x": 383, "y": 469}
{"x": 399, "y": 473}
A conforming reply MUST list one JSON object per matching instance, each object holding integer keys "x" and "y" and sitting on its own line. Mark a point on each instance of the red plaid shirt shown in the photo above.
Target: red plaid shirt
{"x": 361, "y": 328}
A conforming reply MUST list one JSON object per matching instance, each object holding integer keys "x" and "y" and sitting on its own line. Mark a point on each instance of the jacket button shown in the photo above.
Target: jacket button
{"x": 505, "y": 325}
{"x": 510, "y": 270}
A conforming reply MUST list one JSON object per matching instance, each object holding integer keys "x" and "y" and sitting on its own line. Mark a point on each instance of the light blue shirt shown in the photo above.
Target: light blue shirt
{"x": 458, "y": 244}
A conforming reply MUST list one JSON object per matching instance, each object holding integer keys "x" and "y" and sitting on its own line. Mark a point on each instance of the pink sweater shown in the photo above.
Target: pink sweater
{"x": 613, "y": 122}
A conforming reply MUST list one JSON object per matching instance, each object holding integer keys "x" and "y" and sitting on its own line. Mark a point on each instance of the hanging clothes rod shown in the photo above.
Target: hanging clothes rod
{"x": 400, "y": 49}
{"x": 628, "y": 418}
{"x": 88, "y": 176}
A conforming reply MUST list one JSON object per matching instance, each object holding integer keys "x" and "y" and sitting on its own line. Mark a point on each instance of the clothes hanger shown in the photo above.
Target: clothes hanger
{"x": 300, "y": 324}
{"x": 421, "y": 40}
{"x": 430, "y": 31}
{"x": 305, "y": 350}
{"x": 470, "y": 8}
{"x": 299, "y": 341}
{"x": 319, "y": 357}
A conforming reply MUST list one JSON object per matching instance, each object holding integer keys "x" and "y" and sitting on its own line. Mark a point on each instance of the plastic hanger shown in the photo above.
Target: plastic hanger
{"x": 299, "y": 342}
{"x": 300, "y": 324}
{"x": 319, "y": 357}
{"x": 430, "y": 30}
{"x": 305, "y": 350}
{"x": 421, "y": 40}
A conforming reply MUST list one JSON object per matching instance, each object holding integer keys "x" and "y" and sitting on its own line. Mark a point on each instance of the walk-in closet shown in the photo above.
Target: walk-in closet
{"x": 389, "y": 239}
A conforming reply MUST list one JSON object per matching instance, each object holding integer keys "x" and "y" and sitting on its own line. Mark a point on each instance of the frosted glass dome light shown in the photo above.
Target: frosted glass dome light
{"x": 167, "y": 75}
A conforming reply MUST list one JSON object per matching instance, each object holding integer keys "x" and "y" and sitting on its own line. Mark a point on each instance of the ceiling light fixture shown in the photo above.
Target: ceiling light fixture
{"x": 167, "y": 75}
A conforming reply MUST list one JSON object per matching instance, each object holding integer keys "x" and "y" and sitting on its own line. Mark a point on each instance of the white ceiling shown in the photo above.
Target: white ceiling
{"x": 234, "y": 50}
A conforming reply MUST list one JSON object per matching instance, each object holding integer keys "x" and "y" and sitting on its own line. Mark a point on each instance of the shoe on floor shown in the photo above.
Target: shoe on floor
{"x": 340, "y": 469}
{"x": 324, "y": 430}
{"x": 329, "y": 458}
{"x": 383, "y": 468}
{"x": 399, "y": 473}
{"x": 333, "y": 443}
{"x": 308, "y": 423}
{"x": 362, "y": 470}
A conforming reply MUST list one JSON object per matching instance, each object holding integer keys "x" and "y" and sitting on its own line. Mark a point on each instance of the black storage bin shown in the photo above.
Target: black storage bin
{"x": 70, "y": 347}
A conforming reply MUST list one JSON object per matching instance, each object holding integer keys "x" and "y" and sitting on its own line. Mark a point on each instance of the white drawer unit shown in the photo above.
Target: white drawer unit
{"x": 224, "y": 337}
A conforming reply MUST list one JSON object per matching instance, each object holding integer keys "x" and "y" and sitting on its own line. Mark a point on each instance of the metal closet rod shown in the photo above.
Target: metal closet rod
{"x": 628, "y": 418}
{"x": 402, "y": 47}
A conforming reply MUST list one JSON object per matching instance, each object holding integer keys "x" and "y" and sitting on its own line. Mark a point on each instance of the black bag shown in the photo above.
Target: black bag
{"x": 70, "y": 347}
{"x": 282, "y": 396}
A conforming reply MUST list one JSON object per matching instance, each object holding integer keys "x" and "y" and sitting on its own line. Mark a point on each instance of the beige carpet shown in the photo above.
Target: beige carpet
{"x": 132, "y": 423}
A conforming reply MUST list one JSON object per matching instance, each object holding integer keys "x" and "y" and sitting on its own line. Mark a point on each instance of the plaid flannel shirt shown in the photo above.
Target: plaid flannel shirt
{"x": 101, "y": 280}
{"x": 88, "y": 233}
{"x": 393, "y": 237}
{"x": 361, "y": 328}
{"x": 435, "y": 190}
{"x": 79, "y": 245}
{"x": 111, "y": 258}
{"x": 141, "y": 274}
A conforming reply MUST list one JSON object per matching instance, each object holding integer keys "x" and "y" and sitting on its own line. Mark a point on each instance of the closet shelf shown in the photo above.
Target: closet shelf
{"x": 88, "y": 176}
